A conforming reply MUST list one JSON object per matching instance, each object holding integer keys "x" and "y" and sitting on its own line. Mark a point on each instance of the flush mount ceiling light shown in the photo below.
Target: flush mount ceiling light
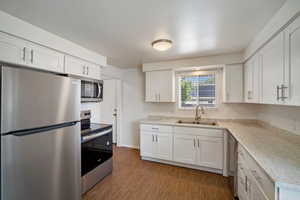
{"x": 162, "y": 44}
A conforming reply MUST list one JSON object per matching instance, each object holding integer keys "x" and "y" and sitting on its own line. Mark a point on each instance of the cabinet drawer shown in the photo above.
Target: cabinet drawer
{"x": 257, "y": 173}
{"x": 199, "y": 131}
{"x": 156, "y": 128}
{"x": 241, "y": 182}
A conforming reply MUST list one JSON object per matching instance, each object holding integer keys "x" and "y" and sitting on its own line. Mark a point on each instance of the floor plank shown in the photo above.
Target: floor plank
{"x": 134, "y": 179}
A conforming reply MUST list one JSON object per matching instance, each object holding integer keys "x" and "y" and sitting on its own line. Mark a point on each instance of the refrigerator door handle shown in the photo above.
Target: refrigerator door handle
{"x": 40, "y": 129}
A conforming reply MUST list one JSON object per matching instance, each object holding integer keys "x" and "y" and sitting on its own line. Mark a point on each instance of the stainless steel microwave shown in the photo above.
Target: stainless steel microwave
{"x": 91, "y": 91}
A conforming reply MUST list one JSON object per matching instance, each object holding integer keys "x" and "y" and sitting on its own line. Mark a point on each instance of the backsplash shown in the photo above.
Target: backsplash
{"x": 95, "y": 110}
{"x": 223, "y": 111}
{"x": 284, "y": 117}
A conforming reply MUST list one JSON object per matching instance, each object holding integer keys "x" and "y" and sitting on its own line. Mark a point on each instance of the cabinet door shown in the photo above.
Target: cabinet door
{"x": 255, "y": 192}
{"x": 210, "y": 152}
{"x": 292, "y": 72}
{"x": 160, "y": 86}
{"x": 164, "y": 146}
{"x": 241, "y": 183}
{"x": 233, "y": 83}
{"x": 13, "y": 50}
{"x": 46, "y": 59}
{"x": 272, "y": 69}
{"x": 94, "y": 71}
{"x": 252, "y": 82}
{"x": 75, "y": 66}
{"x": 185, "y": 148}
{"x": 151, "y": 86}
{"x": 147, "y": 147}
{"x": 256, "y": 78}
{"x": 248, "y": 78}
{"x": 166, "y": 86}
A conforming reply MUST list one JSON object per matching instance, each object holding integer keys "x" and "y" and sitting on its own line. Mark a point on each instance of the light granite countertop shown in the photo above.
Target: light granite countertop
{"x": 275, "y": 150}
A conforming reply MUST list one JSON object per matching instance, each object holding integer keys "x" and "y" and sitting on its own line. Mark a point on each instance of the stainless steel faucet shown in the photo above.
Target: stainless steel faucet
{"x": 197, "y": 116}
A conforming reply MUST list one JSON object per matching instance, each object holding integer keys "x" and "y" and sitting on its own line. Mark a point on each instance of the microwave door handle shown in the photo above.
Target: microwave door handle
{"x": 99, "y": 90}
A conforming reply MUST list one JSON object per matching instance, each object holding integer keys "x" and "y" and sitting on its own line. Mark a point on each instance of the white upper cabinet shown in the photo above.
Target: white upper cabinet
{"x": 233, "y": 83}
{"x": 46, "y": 59}
{"x": 94, "y": 71}
{"x": 28, "y": 54}
{"x": 78, "y": 67}
{"x": 252, "y": 80}
{"x": 160, "y": 86}
{"x": 13, "y": 50}
{"x": 291, "y": 91}
{"x": 271, "y": 76}
{"x": 20, "y": 52}
{"x": 273, "y": 70}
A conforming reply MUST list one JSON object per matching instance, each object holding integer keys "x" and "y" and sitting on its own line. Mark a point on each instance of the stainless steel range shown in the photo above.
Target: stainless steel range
{"x": 96, "y": 151}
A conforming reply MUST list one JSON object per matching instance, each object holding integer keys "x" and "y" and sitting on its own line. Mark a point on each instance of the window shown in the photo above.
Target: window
{"x": 197, "y": 89}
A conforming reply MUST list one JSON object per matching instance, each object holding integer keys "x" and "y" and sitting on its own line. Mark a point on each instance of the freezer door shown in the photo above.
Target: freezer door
{"x": 42, "y": 166}
{"x": 31, "y": 99}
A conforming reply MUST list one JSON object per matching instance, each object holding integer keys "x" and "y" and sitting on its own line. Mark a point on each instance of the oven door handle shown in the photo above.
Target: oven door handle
{"x": 93, "y": 136}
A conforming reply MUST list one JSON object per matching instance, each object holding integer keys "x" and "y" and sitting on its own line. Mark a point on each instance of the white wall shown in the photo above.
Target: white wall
{"x": 133, "y": 106}
{"x": 285, "y": 117}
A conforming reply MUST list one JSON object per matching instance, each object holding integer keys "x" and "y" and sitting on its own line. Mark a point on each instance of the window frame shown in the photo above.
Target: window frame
{"x": 194, "y": 73}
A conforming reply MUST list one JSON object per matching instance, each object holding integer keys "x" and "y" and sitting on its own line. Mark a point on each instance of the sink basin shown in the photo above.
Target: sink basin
{"x": 209, "y": 123}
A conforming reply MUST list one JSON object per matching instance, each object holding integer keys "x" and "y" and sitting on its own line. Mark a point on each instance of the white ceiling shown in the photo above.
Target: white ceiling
{"x": 123, "y": 30}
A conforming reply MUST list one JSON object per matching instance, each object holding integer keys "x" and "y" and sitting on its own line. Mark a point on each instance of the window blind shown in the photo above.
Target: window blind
{"x": 197, "y": 90}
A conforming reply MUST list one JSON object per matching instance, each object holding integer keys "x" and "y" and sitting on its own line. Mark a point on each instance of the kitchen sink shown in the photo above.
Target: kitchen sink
{"x": 200, "y": 122}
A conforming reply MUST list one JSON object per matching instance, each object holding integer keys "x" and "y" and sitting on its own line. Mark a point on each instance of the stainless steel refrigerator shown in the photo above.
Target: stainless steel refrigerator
{"x": 40, "y": 136}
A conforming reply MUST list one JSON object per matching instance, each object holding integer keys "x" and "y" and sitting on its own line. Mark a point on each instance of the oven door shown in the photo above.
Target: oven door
{"x": 91, "y": 91}
{"x": 95, "y": 150}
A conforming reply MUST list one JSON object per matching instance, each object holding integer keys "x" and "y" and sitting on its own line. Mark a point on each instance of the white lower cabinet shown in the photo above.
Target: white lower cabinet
{"x": 199, "y": 150}
{"x": 164, "y": 146}
{"x": 185, "y": 149}
{"x": 190, "y": 146}
{"x": 253, "y": 183}
{"x": 210, "y": 152}
{"x": 146, "y": 144}
{"x": 156, "y": 144}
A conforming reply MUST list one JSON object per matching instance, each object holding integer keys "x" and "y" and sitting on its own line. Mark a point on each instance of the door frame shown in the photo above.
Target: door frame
{"x": 118, "y": 92}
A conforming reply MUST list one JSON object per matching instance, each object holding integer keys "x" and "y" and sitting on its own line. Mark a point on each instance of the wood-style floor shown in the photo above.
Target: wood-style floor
{"x": 135, "y": 179}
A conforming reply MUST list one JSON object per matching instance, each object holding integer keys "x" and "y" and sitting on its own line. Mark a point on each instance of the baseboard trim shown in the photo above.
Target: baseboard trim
{"x": 129, "y": 146}
{"x": 216, "y": 171}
